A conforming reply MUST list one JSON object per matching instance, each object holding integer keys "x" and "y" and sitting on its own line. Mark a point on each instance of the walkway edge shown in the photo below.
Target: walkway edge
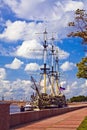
{"x": 31, "y": 116}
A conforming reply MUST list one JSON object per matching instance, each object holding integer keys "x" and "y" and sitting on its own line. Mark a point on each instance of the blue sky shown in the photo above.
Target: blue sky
{"x": 20, "y": 20}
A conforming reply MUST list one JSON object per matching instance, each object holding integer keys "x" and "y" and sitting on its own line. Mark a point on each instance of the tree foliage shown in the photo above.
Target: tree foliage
{"x": 78, "y": 99}
{"x": 80, "y": 29}
{"x": 79, "y": 25}
{"x": 82, "y": 68}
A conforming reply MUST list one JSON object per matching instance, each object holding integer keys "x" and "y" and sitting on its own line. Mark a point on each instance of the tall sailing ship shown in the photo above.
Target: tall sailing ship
{"x": 52, "y": 98}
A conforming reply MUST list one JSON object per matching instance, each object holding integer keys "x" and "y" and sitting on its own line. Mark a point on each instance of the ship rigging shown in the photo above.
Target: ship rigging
{"x": 42, "y": 99}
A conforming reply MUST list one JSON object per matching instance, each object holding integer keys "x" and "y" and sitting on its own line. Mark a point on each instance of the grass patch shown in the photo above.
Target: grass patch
{"x": 83, "y": 125}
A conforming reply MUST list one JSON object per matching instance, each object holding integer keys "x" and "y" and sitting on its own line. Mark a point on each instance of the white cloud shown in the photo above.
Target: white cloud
{"x": 21, "y": 30}
{"x": 63, "y": 54}
{"x": 18, "y": 89}
{"x": 16, "y": 64}
{"x": 2, "y": 73}
{"x": 29, "y": 49}
{"x": 84, "y": 88}
{"x": 29, "y": 9}
{"x": 73, "y": 5}
{"x": 32, "y": 67}
{"x": 74, "y": 84}
{"x": 4, "y": 87}
{"x": 21, "y": 89}
{"x": 32, "y": 49}
{"x": 63, "y": 83}
{"x": 14, "y": 31}
{"x": 66, "y": 66}
{"x": 86, "y": 82}
{"x": 75, "y": 89}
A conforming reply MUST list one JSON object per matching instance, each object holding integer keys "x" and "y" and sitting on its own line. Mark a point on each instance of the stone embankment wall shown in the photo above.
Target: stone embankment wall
{"x": 4, "y": 116}
{"x": 27, "y": 117}
{"x": 8, "y": 120}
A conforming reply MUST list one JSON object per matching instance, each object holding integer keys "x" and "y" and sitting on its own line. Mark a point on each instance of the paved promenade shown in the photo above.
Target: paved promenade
{"x": 67, "y": 121}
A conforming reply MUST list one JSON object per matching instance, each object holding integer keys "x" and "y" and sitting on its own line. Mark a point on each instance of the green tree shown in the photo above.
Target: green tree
{"x": 80, "y": 29}
{"x": 80, "y": 98}
{"x": 82, "y": 68}
{"x": 79, "y": 25}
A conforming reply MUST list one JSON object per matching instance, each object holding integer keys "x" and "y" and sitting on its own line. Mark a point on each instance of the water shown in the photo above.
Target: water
{"x": 14, "y": 109}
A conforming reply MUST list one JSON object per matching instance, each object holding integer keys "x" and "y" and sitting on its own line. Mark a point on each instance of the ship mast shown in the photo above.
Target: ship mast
{"x": 45, "y": 100}
{"x": 45, "y": 45}
{"x": 52, "y": 68}
{"x": 54, "y": 73}
{"x": 57, "y": 73}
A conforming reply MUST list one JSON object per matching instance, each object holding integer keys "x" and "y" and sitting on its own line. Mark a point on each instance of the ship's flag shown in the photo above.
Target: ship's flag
{"x": 62, "y": 88}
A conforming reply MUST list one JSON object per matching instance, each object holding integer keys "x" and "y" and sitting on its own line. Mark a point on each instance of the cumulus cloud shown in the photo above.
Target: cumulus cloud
{"x": 63, "y": 83}
{"x": 84, "y": 88}
{"x": 75, "y": 89}
{"x": 73, "y": 5}
{"x": 21, "y": 30}
{"x": 29, "y": 8}
{"x": 55, "y": 21}
{"x": 21, "y": 89}
{"x": 32, "y": 67}
{"x": 2, "y": 73}
{"x": 86, "y": 82}
{"x": 16, "y": 64}
{"x": 4, "y": 87}
{"x": 29, "y": 49}
{"x": 14, "y": 31}
{"x": 18, "y": 89}
{"x": 66, "y": 66}
{"x": 63, "y": 54}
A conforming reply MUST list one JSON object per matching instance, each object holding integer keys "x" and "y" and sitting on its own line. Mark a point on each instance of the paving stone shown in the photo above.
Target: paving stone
{"x": 67, "y": 121}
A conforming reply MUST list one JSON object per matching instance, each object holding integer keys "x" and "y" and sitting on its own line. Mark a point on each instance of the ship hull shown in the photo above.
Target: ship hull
{"x": 49, "y": 101}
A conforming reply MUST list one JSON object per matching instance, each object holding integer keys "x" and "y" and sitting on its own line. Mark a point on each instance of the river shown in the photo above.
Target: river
{"x": 14, "y": 109}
